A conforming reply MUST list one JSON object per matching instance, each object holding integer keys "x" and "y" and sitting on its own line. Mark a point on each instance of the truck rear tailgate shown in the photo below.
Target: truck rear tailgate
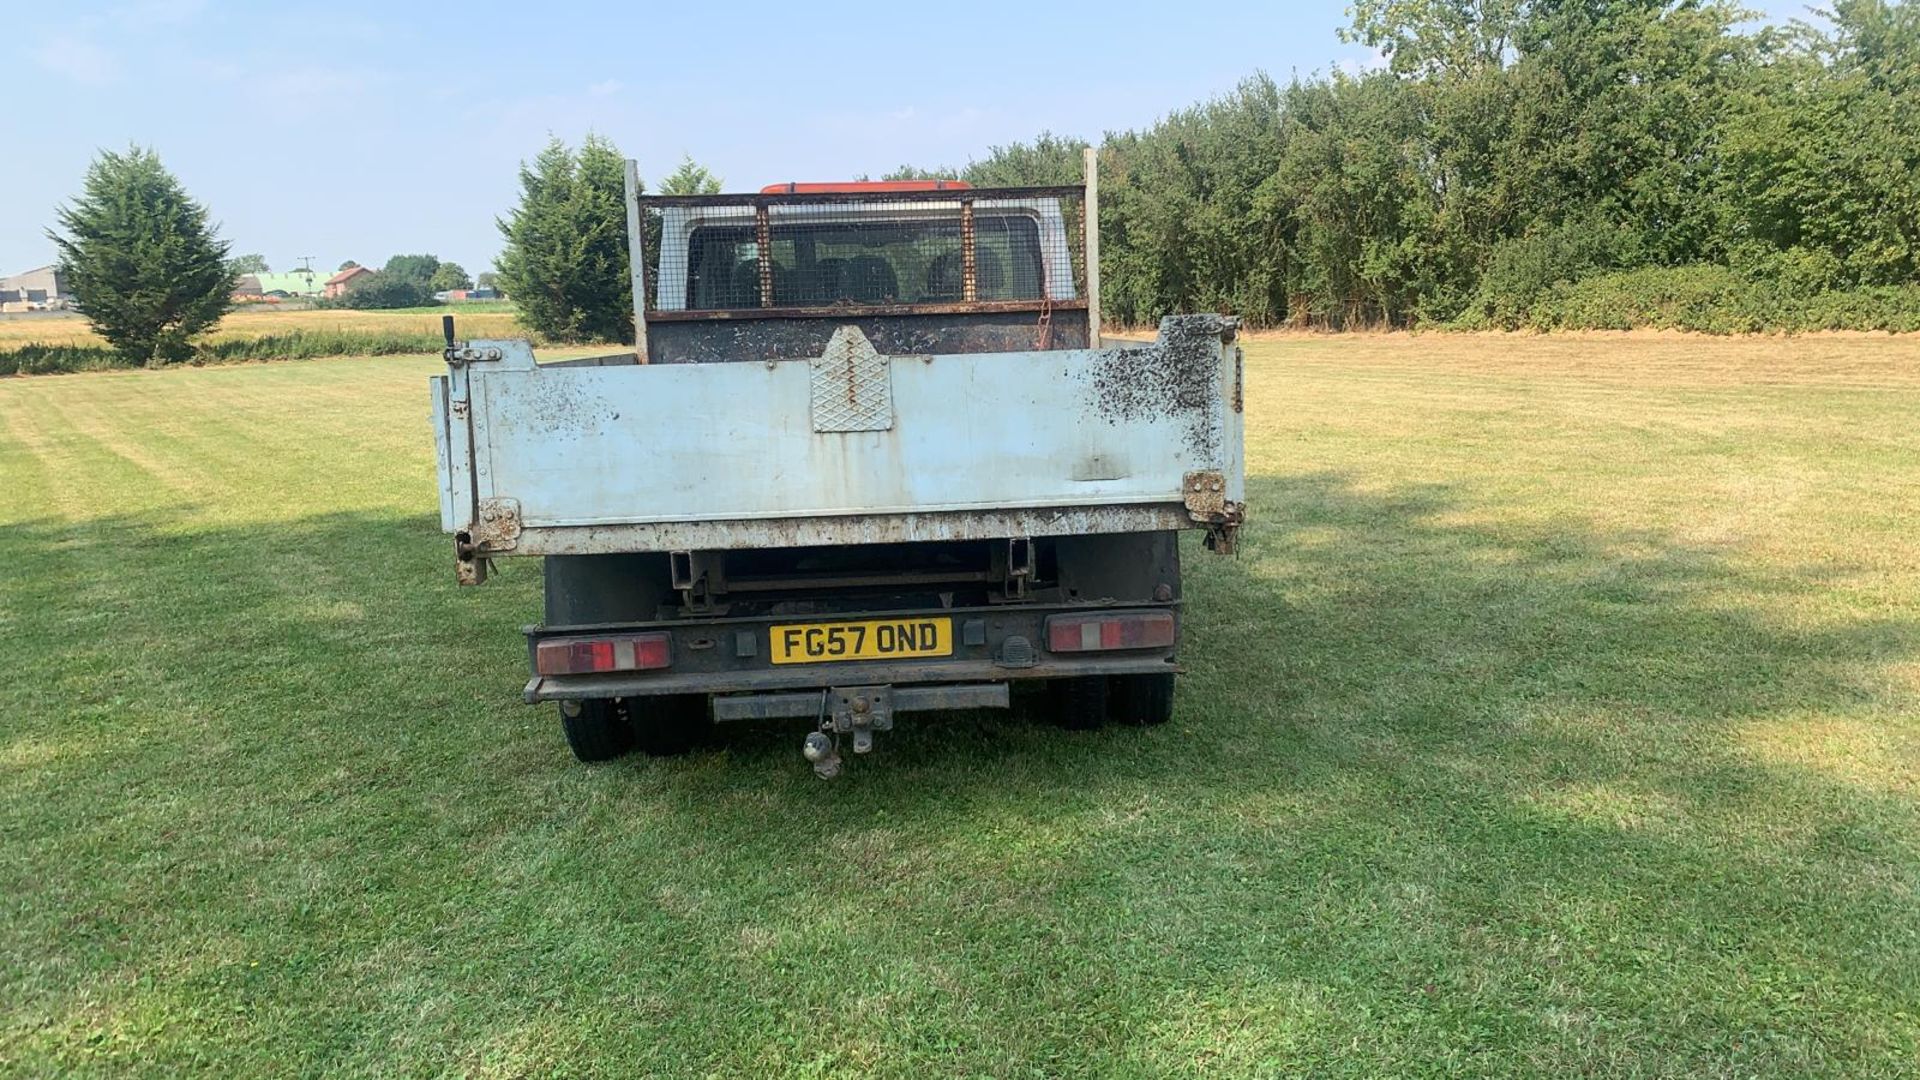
{"x": 847, "y": 447}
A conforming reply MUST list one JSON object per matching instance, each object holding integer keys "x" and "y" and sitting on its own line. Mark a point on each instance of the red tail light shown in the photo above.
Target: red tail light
{"x": 591, "y": 656}
{"x": 1110, "y": 630}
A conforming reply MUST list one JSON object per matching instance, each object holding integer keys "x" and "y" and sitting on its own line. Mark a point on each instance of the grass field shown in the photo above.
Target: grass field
{"x": 1560, "y": 716}
{"x": 489, "y": 319}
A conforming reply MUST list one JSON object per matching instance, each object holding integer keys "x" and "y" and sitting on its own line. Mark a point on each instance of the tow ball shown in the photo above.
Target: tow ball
{"x": 858, "y": 711}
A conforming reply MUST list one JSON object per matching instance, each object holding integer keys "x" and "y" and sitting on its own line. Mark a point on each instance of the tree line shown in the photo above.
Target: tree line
{"x": 405, "y": 281}
{"x": 1513, "y": 163}
{"x": 422, "y": 275}
{"x": 1531, "y": 163}
{"x": 151, "y": 273}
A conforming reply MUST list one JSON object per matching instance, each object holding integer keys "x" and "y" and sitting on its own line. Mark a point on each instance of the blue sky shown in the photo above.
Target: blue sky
{"x": 355, "y": 131}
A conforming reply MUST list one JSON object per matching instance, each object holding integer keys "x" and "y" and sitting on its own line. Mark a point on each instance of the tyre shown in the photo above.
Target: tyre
{"x": 668, "y": 725}
{"x": 596, "y": 729}
{"x": 1080, "y": 704}
{"x": 1145, "y": 700}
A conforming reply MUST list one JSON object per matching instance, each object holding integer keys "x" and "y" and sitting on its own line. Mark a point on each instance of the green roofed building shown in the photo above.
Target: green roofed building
{"x": 294, "y": 283}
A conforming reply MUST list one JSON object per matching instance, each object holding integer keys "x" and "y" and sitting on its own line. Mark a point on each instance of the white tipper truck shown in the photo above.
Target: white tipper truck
{"x": 869, "y": 456}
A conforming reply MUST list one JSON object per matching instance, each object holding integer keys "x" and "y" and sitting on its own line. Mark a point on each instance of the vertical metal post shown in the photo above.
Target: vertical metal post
{"x": 637, "y": 253}
{"x": 1091, "y": 212}
{"x": 763, "y": 240}
{"x": 463, "y": 477}
{"x": 969, "y": 267}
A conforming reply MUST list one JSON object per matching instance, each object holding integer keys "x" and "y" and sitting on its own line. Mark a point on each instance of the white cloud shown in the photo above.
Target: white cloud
{"x": 78, "y": 59}
{"x": 605, "y": 88}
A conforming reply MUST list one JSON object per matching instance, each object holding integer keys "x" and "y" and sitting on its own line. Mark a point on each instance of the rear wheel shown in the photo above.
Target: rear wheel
{"x": 1141, "y": 699}
{"x": 1080, "y": 704}
{"x": 669, "y": 724}
{"x": 596, "y": 729}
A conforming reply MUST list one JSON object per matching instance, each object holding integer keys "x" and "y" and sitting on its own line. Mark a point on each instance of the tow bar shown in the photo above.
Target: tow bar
{"x": 858, "y": 711}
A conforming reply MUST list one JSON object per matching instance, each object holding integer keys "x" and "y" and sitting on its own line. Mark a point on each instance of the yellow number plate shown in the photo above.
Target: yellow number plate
{"x": 872, "y": 639}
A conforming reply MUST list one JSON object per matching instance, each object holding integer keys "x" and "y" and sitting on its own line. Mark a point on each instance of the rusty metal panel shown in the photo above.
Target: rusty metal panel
{"x": 808, "y": 198}
{"x": 688, "y": 457}
{"x": 753, "y": 534}
{"x": 725, "y": 340}
{"x": 1233, "y": 424}
{"x": 844, "y": 311}
{"x": 969, "y": 256}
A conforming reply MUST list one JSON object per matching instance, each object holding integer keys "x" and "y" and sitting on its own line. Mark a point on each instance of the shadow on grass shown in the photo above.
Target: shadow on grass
{"x": 1458, "y": 790}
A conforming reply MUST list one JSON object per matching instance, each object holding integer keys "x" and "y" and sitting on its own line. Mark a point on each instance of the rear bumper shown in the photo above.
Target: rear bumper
{"x": 814, "y": 703}
{"x": 726, "y": 656}
{"x": 821, "y": 676}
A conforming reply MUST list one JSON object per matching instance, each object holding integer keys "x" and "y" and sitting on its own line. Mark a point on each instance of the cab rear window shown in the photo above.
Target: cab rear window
{"x": 865, "y": 262}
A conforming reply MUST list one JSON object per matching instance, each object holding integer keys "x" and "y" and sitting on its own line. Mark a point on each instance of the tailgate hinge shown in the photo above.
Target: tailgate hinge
{"x": 460, "y": 353}
{"x": 498, "y": 526}
{"x": 1205, "y": 496}
{"x": 495, "y": 529}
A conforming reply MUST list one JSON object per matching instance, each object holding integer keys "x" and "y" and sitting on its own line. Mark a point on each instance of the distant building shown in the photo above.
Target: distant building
{"x": 338, "y": 284}
{"x": 291, "y": 284}
{"x": 247, "y": 287}
{"x": 457, "y": 295}
{"x": 35, "y": 290}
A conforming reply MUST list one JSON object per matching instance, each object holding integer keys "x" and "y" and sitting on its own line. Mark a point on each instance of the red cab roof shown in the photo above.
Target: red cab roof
{"x": 792, "y": 188}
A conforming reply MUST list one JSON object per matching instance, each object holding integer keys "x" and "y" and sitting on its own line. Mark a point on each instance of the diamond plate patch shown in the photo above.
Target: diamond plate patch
{"x": 852, "y": 385}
